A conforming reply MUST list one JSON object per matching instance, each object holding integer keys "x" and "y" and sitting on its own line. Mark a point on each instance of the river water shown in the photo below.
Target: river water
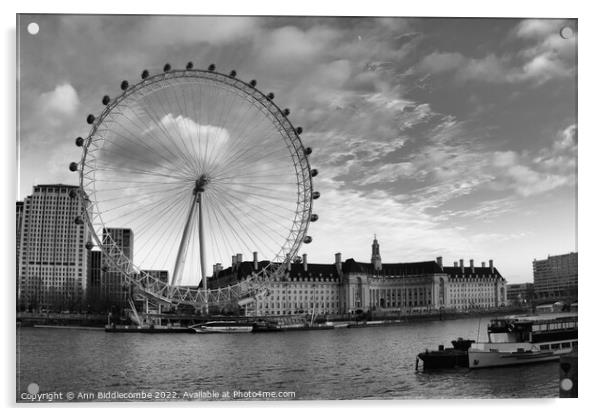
{"x": 362, "y": 363}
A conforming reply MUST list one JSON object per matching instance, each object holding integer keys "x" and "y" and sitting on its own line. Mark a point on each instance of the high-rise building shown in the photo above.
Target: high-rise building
{"x": 51, "y": 254}
{"x": 94, "y": 296}
{"x": 19, "y": 230}
{"x": 555, "y": 278}
{"x": 114, "y": 287}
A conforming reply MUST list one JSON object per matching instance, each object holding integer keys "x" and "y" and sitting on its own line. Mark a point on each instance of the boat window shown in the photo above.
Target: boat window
{"x": 574, "y": 343}
{"x": 544, "y": 347}
{"x": 493, "y": 350}
{"x": 566, "y": 345}
{"x": 555, "y": 346}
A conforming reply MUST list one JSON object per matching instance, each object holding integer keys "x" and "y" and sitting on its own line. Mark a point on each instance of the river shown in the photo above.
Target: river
{"x": 362, "y": 363}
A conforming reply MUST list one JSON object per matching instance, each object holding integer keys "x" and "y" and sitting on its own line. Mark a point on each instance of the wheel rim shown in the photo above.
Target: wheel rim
{"x": 147, "y": 148}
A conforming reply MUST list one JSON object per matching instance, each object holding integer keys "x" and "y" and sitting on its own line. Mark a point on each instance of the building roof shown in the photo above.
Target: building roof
{"x": 55, "y": 185}
{"x": 245, "y": 268}
{"x": 392, "y": 269}
{"x": 454, "y": 272}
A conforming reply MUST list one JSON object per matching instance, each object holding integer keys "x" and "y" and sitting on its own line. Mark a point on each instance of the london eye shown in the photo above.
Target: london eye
{"x": 201, "y": 166}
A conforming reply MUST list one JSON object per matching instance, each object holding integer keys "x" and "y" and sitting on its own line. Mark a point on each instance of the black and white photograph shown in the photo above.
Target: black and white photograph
{"x": 292, "y": 208}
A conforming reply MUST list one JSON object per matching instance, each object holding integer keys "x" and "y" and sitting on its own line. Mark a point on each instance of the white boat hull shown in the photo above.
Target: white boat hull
{"x": 223, "y": 330}
{"x": 478, "y": 358}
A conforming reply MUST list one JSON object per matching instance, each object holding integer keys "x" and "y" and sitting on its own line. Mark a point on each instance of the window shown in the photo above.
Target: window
{"x": 544, "y": 347}
{"x": 555, "y": 346}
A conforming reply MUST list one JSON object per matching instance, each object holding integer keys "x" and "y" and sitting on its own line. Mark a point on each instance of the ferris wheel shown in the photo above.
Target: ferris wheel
{"x": 199, "y": 167}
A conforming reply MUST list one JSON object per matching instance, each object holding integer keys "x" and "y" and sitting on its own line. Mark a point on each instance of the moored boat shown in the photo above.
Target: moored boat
{"x": 223, "y": 327}
{"x": 446, "y": 357}
{"x": 517, "y": 340}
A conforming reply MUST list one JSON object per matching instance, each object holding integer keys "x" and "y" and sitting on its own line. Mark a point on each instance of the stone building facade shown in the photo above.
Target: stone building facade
{"x": 352, "y": 287}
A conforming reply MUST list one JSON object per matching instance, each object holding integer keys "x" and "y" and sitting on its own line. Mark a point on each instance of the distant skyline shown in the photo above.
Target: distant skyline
{"x": 444, "y": 137}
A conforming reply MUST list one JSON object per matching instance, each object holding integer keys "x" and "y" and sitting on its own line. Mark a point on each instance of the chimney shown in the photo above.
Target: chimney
{"x": 304, "y": 262}
{"x": 233, "y": 260}
{"x": 238, "y": 258}
{"x": 440, "y": 261}
{"x": 338, "y": 263}
{"x": 491, "y": 266}
{"x": 483, "y": 264}
{"x": 288, "y": 263}
{"x": 462, "y": 265}
{"x": 455, "y": 264}
{"x": 472, "y": 266}
{"x": 255, "y": 265}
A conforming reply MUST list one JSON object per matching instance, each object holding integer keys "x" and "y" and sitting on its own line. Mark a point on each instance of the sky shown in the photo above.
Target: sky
{"x": 442, "y": 137}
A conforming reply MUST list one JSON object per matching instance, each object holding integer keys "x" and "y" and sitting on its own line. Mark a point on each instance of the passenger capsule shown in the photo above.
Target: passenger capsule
{"x": 307, "y": 239}
{"x": 313, "y": 217}
{"x": 106, "y": 100}
{"x": 189, "y": 66}
{"x": 232, "y": 74}
{"x": 90, "y": 119}
{"x": 314, "y": 173}
{"x": 308, "y": 151}
{"x": 124, "y": 85}
{"x": 253, "y": 83}
{"x": 315, "y": 195}
{"x": 299, "y": 130}
{"x": 166, "y": 68}
{"x": 72, "y": 193}
{"x": 212, "y": 67}
{"x": 271, "y": 96}
{"x": 78, "y": 220}
{"x": 73, "y": 166}
{"x": 89, "y": 245}
{"x": 286, "y": 111}
{"x": 79, "y": 142}
{"x": 144, "y": 74}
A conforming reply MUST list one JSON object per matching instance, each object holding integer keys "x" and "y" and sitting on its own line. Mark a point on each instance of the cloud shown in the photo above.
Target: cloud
{"x": 63, "y": 101}
{"x": 561, "y": 156}
{"x": 537, "y": 28}
{"x": 438, "y": 62}
{"x": 547, "y": 56}
{"x": 178, "y": 30}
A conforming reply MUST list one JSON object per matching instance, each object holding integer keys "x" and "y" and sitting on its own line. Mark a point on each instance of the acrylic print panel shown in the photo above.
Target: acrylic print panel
{"x": 220, "y": 208}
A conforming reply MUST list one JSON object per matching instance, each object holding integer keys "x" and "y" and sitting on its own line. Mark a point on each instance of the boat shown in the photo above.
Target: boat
{"x": 446, "y": 357}
{"x": 222, "y": 327}
{"x": 149, "y": 329}
{"x": 514, "y": 340}
{"x": 266, "y": 326}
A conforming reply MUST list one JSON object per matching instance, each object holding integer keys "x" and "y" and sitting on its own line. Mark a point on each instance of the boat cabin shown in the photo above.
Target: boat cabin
{"x": 535, "y": 329}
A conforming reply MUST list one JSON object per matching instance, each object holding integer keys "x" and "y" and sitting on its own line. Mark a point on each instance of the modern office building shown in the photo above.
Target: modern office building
{"x": 555, "y": 278}
{"x": 51, "y": 256}
{"x": 354, "y": 287}
{"x": 114, "y": 288}
{"x": 520, "y": 293}
{"x": 94, "y": 295}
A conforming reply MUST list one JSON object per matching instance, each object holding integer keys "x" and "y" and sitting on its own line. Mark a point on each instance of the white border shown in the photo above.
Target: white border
{"x": 589, "y": 188}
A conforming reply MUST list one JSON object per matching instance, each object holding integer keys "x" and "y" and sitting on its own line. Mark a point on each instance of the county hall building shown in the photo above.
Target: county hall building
{"x": 349, "y": 286}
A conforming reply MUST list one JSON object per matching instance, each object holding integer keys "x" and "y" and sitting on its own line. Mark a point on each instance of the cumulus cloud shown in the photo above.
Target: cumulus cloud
{"x": 63, "y": 101}
{"x": 537, "y": 28}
